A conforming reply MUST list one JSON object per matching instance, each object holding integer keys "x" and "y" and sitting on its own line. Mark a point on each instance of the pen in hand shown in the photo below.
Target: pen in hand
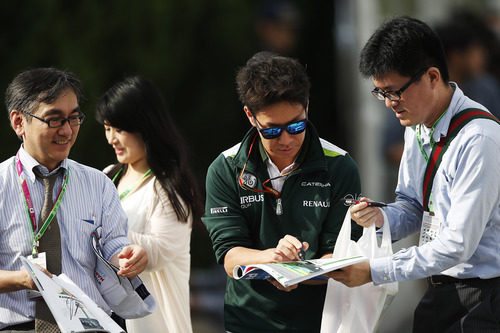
{"x": 350, "y": 202}
{"x": 302, "y": 254}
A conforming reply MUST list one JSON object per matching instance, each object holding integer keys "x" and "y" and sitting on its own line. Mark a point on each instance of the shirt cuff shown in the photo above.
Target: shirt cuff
{"x": 381, "y": 270}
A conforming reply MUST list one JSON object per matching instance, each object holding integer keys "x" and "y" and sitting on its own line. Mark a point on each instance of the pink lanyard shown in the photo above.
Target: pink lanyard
{"x": 31, "y": 210}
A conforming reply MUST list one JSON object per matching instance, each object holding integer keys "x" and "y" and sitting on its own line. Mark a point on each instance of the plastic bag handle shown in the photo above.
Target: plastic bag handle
{"x": 386, "y": 234}
{"x": 344, "y": 238}
{"x": 344, "y": 243}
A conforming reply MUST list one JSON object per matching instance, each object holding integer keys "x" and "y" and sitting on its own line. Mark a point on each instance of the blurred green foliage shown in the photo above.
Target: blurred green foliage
{"x": 191, "y": 49}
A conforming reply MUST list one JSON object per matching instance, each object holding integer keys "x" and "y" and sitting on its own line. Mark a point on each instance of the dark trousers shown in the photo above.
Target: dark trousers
{"x": 469, "y": 306}
{"x": 24, "y": 327}
{"x": 119, "y": 320}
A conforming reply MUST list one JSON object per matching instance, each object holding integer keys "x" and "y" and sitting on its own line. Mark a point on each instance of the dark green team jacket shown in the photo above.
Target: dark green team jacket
{"x": 312, "y": 211}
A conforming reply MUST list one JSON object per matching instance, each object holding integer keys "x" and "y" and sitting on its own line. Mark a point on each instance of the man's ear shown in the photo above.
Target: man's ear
{"x": 434, "y": 76}
{"x": 249, "y": 115}
{"x": 18, "y": 122}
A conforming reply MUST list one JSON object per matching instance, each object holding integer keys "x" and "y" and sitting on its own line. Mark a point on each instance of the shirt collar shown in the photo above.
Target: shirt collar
{"x": 457, "y": 100}
{"x": 271, "y": 167}
{"x": 29, "y": 163}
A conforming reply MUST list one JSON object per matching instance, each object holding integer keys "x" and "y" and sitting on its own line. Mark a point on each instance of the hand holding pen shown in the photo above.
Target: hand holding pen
{"x": 365, "y": 215}
{"x": 301, "y": 253}
{"x": 291, "y": 248}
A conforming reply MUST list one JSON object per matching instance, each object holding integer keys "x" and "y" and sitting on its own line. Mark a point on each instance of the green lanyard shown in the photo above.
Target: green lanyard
{"x": 127, "y": 191}
{"x": 433, "y": 144}
{"x": 419, "y": 139}
{"x": 30, "y": 209}
{"x": 52, "y": 213}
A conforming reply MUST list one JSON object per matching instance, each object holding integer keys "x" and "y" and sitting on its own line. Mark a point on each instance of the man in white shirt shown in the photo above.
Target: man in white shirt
{"x": 448, "y": 186}
{"x": 43, "y": 106}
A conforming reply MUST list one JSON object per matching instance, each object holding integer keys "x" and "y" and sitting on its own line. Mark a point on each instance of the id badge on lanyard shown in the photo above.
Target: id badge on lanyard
{"x": 431, "y": 225}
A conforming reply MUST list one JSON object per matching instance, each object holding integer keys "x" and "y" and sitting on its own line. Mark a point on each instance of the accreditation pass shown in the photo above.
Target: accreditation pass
{"x": 431, "y": 225}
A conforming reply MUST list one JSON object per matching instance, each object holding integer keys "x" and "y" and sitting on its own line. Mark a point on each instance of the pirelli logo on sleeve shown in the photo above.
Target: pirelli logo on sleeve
{"x": 218, "y": 210}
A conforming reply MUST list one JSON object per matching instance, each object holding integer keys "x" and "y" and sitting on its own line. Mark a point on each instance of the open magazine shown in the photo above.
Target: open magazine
{"x": 293, "y": 272}
{"x": 72, "y": 309}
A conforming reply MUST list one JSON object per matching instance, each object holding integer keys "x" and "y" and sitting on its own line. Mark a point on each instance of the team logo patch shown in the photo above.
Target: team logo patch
{"x": 249, "y": 180}
{"x": 218, "y": 210}
{"x": 314, "y": 203}
{"x": 315, "y": 184}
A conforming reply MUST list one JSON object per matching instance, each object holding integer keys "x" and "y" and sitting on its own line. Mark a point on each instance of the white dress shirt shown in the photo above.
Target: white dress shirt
{"x": 466, "y": 199}
{"x": 90, "y": 201}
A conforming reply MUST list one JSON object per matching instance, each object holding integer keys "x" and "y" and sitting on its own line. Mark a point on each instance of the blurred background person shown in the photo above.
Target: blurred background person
{"x": 467, "y": 41}
{"x": 277, "y": 26}
{"x": 158, "y": 193}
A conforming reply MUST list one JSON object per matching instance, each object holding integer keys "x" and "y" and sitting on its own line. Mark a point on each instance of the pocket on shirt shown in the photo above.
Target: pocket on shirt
{"x": 79, "y": 243}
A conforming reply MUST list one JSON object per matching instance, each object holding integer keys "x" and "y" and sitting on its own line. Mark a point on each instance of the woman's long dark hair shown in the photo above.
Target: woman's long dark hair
{"x": 135, "y": 105}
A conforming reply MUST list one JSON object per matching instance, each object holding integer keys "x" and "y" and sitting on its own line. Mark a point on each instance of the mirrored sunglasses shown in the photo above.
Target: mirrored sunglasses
{"x": 274, "y": 132}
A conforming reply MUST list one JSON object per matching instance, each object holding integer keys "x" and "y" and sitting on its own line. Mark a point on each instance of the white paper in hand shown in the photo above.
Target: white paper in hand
{"x": 72, "y": 309}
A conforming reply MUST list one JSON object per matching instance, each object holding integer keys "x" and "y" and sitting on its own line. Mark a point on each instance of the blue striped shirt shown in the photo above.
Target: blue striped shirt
{"x": 466, "y": 198}
{"x": 90, "y": 201}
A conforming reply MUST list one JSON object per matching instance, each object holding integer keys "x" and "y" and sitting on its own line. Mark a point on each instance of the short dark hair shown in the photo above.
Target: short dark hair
{"x": 40, "y": 85}
{"x": 403, "y": 45}
{"x": 268, "y": 78}
{"x": 136, "y": 105}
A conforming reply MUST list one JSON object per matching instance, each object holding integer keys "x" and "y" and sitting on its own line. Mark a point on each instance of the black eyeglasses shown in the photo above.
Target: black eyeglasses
{"x": 292, "y": 128}
{"x": 56, "y": 122}
{"x": 396, "y": 95}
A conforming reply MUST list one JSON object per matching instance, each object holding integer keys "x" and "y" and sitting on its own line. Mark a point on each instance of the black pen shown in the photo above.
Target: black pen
{"x": 350, "y": 202}
{"x": 302, "y": 254}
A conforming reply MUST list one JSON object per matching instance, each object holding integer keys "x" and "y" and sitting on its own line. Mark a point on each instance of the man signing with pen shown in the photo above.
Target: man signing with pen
{"x": 448, "y": 186}
{"x": 274, "y": 194}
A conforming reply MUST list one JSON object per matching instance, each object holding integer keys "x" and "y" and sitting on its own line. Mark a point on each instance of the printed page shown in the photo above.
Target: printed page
{"x": 72, "y": 309}
{"x": 292, "y": 272}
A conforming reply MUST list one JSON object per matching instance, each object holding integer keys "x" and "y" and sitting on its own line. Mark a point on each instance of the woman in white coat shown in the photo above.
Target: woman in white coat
{"x": 158, "y": 193}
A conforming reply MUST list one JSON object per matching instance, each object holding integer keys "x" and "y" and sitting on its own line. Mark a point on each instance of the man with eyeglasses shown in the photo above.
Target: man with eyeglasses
{"x": 448, "y": 186}
{"x": 44, "y": 111}
{"x": 276, "y": 197}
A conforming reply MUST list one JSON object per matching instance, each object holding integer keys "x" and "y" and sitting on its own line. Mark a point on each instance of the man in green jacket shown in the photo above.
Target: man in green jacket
{"x": 275, "y": 194}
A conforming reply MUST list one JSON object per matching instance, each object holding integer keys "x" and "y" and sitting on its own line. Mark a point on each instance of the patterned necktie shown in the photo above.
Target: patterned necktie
{"x": 50, "y": 243}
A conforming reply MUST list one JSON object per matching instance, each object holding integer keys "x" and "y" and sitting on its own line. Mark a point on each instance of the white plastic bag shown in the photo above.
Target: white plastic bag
{"x": 357, "y": 309}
